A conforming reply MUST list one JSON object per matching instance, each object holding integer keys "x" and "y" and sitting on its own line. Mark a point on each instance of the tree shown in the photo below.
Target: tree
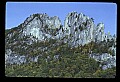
{"x": 68, "y": 75}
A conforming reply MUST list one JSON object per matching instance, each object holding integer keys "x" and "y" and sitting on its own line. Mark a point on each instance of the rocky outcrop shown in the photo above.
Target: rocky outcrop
{"x": 99, "y": 33}
{"x": 13, "y": 58}
{"x": 82, "y": 30}
{"x": 41, "y": 26}
{"x": 106, "y": 60}
{"x": 78, "y": 29}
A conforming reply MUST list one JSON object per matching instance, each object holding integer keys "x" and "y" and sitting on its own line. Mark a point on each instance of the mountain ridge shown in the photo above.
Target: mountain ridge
{"x": 39, "y": 34}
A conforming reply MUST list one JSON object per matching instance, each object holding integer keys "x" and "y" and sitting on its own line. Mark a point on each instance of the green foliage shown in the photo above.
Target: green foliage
{"x": 72, "y": 62}
{"x": 7, "y": 31}
{"x": 109, "y": 73}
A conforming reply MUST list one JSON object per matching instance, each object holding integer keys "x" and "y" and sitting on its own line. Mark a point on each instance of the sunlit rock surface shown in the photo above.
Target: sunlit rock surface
{"x": 78, "y": 29}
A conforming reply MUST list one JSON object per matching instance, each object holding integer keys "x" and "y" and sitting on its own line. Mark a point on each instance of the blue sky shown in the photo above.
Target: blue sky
{"x": 17, "y": 12}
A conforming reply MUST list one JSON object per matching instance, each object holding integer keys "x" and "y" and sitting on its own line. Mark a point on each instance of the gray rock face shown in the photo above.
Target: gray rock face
{"x": 107, "y": 60}
{"x": 82, "y": 30}
{"x": 12, "y": 58}
{"x": 41, "y": 26}
{"x": 78, "y": 29}
{"x": 99, "y": 32}
{"x": 33, "y": 59}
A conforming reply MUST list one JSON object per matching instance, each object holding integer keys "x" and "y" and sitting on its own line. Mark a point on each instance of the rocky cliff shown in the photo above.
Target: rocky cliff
{"x": 78, "y": 30}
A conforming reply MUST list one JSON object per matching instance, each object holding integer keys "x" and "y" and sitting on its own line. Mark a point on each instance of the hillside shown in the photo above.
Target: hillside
{"x": 43, "y": 47}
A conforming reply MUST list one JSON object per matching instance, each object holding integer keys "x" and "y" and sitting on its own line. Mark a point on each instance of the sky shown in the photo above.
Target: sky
{"x": 17, "y": 12}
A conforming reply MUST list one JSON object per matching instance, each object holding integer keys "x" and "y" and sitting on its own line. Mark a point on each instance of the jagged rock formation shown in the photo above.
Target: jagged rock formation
{"x": 81, "y": 30}
{"x": 42, "y": 26}
{"x": 78, "y": 29}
